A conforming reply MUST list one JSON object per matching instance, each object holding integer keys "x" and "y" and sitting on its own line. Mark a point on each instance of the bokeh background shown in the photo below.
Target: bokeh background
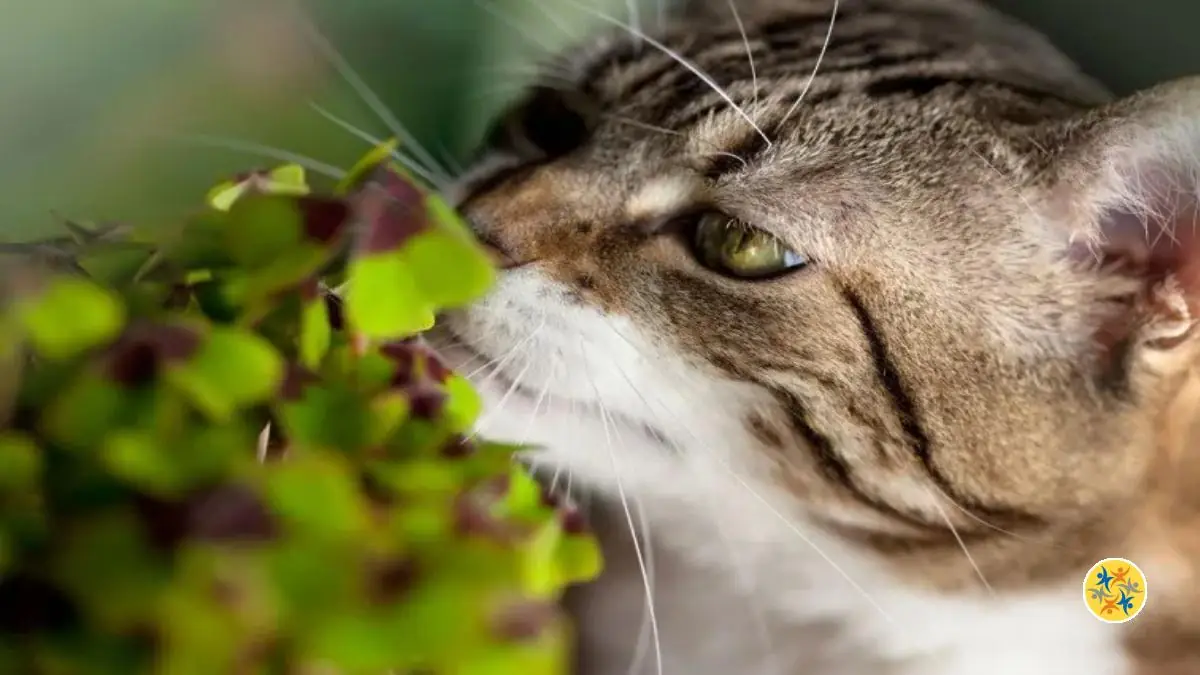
{"x": 130, "y": 109}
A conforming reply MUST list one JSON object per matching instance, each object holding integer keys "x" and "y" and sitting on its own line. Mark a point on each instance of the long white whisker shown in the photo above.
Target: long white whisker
{"x": 541, "y": 398}
{"x": 961, "y": 544}
{"x": 767, "y": 504}
{"x": 635, "y": 21}
{"x": 813, "y": 75}
{"x": 619, "y": 119}
{"x": 966, "y": 512}
{"x": 520, "y": 30}
{"x": 637, "y": 547}
{"x": 368, "y": 95}
{"x": 645, "y": 633}
{"x": 404, "y": 161}
{"x": 737, "y": 17}
{"x": 683, "y": 61}
{"x": 251, "y": 148}
{"x": 498, "y": 363}
{"x": 755, "y": 611}
{"x": 512, "y": 387}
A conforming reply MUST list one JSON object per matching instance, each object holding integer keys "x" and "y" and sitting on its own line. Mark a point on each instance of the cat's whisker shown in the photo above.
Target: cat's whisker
{"x": 606, "y": 423}
{"x": 500, "y": 361}
{"x": 740, "y": 567}
{"x": 683, "y": 61}
{"x": 937, "y": 504}
{"x": 765, "y": 502}
{"x": 649, "y": 629}
{"x": 449, "y": 161}
{"x": 404, "y": 161}
{"x": 645, "y": 633}
{"x": 530, "y": 359}
{"x": 670, "y": 132}
{"x": 543, "y": 393}
{"x": 967, "y": 512}
{"x": 368, "y": 95}
{"x": 635, "y": 20}
{"x": 547, "y": 74}
{"x": 737, "y": 18}
{"x": 266, "y": 151}
{"x": 813, "y": 75}
{"x": 522, "y": 31}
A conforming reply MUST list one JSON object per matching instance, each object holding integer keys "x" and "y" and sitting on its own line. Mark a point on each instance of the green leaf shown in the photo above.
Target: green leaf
{"x": 383, "y": 301}
{"x": 20, "y": 461}
{"x": 233, "y": 369}
{"x": 261, "y": 227}
{"x": 377, "y": 156}
{"x": 317, "y": 496}
{"x": 463, "y": 404}
{"x": 84, "y": 411}
{"x": 166, "y": 466}
{"x": 523, "y": 499}
{"x": 446, "y": 217}
{"x": 111, "y": 548}
{"x": 579, "y": 559}
{"x": 288, "y": 179}
{"x": 315, "y": 332}
{"x": 70, "y": 316}
{"x": 450, "y": 269}
{"x": 330, "y": 417}
{"x": 388, "y": 412}
{"x": 138, "y": 456}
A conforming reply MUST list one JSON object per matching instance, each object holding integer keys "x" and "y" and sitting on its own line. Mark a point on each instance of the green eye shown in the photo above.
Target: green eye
{"x": 731, "y": 247}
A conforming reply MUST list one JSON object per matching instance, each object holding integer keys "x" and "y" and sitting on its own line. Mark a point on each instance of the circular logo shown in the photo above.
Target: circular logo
{"x": 1114, "y": 590}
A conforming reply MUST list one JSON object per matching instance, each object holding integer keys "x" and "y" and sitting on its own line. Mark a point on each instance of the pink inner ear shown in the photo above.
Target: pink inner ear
{"x": 1154, "y": 241}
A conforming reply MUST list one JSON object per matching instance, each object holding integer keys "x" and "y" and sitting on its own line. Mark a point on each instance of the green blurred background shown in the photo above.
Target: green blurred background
{"x": 110, "y": 107}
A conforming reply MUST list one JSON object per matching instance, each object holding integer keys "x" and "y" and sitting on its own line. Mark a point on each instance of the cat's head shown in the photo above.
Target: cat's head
{"x": 942, "y": 281}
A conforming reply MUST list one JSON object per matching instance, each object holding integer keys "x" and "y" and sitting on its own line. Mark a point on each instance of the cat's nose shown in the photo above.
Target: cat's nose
{"x": 500, "y": 257}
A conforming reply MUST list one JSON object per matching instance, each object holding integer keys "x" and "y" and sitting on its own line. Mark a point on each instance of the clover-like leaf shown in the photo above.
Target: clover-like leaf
{"x": 288, "y": 179}
{"x": 463, "y": 404}
{"x": 383, "y": 300}
{"x": 69, "y": 316}
{"x": 380, "y": 155}
{"x": 316, "y": 496}
{"x": 232, "y": 369}
{"x": 316, "y": 332}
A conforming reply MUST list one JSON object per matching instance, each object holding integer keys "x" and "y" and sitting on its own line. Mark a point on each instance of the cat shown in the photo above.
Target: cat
{"x": 876, "y": 326}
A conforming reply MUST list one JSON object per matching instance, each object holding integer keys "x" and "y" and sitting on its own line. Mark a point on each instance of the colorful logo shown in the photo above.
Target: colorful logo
{"x": 1114, "y": 590}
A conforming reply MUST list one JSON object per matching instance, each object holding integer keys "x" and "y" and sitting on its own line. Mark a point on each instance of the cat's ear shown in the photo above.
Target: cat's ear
{"x": 1125, "y": 184}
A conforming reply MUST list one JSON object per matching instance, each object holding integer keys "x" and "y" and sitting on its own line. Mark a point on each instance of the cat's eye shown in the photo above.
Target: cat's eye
{"x": 547, "y": 123}
{"x": 731, "y": 247}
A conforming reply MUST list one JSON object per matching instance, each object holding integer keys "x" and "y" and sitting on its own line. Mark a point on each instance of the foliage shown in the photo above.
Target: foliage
{"x": 211, "y": 463}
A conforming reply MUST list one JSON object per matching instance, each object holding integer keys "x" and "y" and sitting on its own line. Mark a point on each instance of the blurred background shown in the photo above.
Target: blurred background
{"x": 131, "y": 109}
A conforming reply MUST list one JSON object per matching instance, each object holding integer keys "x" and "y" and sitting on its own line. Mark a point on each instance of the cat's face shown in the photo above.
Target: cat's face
{"x": 878, "y": 305}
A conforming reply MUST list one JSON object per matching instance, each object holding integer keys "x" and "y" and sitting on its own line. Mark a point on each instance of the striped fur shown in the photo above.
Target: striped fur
{"x": 949, "y": 416}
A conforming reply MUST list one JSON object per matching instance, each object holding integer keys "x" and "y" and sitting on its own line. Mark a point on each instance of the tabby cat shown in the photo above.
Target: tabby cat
{"x": 879, "y": 336}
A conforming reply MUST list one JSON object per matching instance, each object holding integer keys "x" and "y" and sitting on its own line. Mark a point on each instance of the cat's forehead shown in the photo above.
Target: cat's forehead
{"x": 717, "y": 92}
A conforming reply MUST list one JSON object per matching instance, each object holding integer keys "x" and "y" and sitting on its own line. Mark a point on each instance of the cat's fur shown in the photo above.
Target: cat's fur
{"x": 984, "y": 374}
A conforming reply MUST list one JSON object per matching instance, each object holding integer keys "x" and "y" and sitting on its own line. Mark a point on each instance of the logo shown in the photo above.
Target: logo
{"x": 1114, "y": 590}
